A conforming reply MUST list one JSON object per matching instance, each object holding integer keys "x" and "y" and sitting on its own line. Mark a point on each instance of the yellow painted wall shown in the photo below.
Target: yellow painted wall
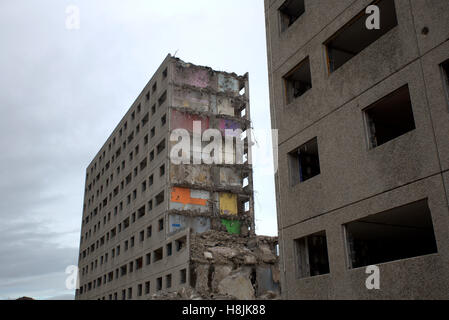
{"x": 228, "y": 203}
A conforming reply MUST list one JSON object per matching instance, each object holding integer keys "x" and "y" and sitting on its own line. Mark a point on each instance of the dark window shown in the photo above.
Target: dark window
{"x": 290, "y": 11}
{"x": 139, "y": 290}
{"x": 162, "y": 98}
{"x": 398, "y": 233}
{"x": 159, "y": 283}
{"x": 147, "y": 287}
{"x": 390, "y": 117}
{"x": 354, "y": 36}
{"x": 183, "y": 276}
{"x": 298, "y": 81}
{"x": 160, "y": 198}
{"x": 169, "y": 249}
{"x": 161, "y": 224}
{"x": 180, "y": 243}
{"x": 304, "y": 162}
{"x": 161, "y": 146}
{"x": 168, "y": 281}
{"x": 311, "y": 255}
{"x": 157, "y": 254}
{"x": 162, "y": 170}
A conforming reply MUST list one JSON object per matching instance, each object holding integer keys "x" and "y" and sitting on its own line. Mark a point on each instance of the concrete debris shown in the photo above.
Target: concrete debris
{"x": 231, "y": 267}
{"x": 237, "y": 285}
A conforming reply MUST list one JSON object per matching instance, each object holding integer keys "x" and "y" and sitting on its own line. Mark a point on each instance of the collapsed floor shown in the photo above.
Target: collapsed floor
{"x": 229, "y": 266}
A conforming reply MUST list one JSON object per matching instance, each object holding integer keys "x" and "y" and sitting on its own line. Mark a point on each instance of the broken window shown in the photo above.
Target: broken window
{"x": 126, "y": 223}
{"x": 160, "y": 147}
{"x": 157, "y": 255}
{"x": 142, "y": 236}
{"x": 159, "y": 198}
{"x": 289, "y": 12}
{"x": 145, "y": 119}
{"x": 161, "y": 224}
{"x": 298, "y": 80}
{"x": 180, "y": 243}
{"x": 143, "y": 164}
{"x": 168, "y": 281}
{"x": 355, "y": 36}
{"x": 311, "y": 255}
{"x": 390, "y": 117}
{"x": 183, "y": 276}
{"x": 139, "y": 290}
{"x": 169, "y": 249}
{"x": 304, "y": 162}
{"x": 139, "y": 263}
{"x": 123, "y": 270}
{"x": 162, "y": 98}
{"x": 398, "y": 233}
{"x": 141, "y": 212}
{"x": 162, "y": 170}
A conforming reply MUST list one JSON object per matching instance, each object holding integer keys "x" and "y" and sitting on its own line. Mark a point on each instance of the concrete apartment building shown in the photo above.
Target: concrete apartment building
{"x": 141, "y": 210}
{"x": 363, "y": 119}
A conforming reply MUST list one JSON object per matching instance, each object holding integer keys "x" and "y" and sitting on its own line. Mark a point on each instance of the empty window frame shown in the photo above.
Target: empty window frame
{"x": 161, "y": 224}
{"x": 160, "y": 147}
{"x": 159, "y": 284}
{"x": 398, "y": 233}
{"x": 147, "y": 287}
{"x": 289, "y": 12}
{"x": 168, "y": 281}
{"x": 169, "y": 249}
{"x": 158, "y": 255}
{"x": 304, "y": 162}
{"x": 354, "y": 37}
{"x": 159, "y": 198}
{"x": 389, "y": 117}
{"x": 162, "y": 170}
{"x": 180, "y": 243}
{"x": 183, "y": 276}
{"x": 297, "y": 81}
{"x": 162, "y": 98}
{"x": 311, "y": 255}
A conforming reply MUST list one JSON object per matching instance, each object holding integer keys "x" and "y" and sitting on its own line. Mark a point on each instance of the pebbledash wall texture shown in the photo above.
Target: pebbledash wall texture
{"x": 152, "y": 228}
{"x": 363, "y": 120}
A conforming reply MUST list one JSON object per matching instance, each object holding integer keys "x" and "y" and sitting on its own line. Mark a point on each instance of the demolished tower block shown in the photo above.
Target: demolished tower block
{"x": 147, "y": 219}
{"x": 215, "y": 196}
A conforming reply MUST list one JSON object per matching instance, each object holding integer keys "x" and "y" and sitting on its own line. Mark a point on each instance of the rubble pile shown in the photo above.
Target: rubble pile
{"x": 228, "y": 266}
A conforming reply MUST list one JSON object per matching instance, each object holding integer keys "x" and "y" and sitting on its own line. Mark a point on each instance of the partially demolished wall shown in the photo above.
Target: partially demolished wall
{"x": 229, "y": 266}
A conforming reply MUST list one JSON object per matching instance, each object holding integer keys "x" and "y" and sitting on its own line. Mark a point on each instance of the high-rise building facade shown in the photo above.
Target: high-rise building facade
{"x": 359, "y": 94}
{"x": 143, "y": 201}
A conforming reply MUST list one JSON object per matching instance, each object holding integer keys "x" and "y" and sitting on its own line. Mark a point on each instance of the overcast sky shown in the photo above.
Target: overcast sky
{"x": 63, "y": 91}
